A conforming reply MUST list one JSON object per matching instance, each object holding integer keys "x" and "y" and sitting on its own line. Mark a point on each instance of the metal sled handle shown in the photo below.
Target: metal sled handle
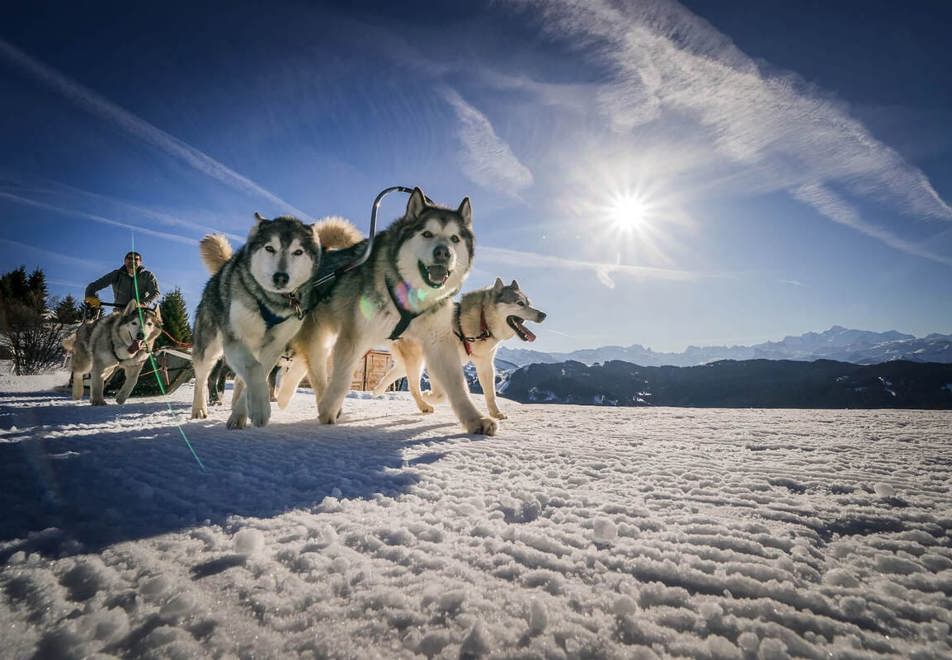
{"x": 370, "y": 239}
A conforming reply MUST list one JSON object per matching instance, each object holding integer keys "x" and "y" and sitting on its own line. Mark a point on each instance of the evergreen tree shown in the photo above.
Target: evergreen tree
{"x": 38, "y": 290}
{"x": 14, "y": 285}
{"x": 174, "y": 319}
{"x": 68, "y": 311}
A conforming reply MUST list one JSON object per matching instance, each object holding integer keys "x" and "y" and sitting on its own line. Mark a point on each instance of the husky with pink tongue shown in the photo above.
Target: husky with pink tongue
{"x": 123, "y": 339}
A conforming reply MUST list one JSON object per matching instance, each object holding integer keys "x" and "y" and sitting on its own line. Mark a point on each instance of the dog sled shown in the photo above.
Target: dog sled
{"x": 171, "y": 366}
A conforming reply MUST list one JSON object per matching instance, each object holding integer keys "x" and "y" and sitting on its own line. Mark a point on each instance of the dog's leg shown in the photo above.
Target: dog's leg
{"x": 486, "y": 372}
{"x": 132, "y": 377}
{"x": 239, "y": 406}
{"x": 77, "y": 385}
{"x": 317, "y": 357}
{"x": 395, "y": 371}
{"x": 203, "y": 361}
{"x": 442, "y": 359}
{"x": 413, "y": 360}
{"x": 255, "y": 376}
{"x": 345, "y": 357}
{"x": 291, "y": 379}
{"x": 97, "y": 377}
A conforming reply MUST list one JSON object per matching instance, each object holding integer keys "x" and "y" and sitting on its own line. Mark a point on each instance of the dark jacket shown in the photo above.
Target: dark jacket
{"x": 123, "y": 288}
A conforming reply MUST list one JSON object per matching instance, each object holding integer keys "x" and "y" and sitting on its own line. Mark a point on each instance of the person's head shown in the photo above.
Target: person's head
{"x": 132, "y": 260}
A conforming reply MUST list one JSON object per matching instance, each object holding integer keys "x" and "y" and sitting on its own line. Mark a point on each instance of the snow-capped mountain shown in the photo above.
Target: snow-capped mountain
{"x": 837, "y": 343}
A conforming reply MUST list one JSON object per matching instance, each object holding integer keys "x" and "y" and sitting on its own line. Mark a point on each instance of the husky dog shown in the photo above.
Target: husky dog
{"x": 404, "y": 289}
{"x": 334, "y": 233}
{"x": 482, "y": 320}
{"x": 119, "y": 340}
{"x": 251, "y": 307}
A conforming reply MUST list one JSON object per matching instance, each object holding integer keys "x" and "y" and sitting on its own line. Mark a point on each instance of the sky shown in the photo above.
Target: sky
{"x": 650, "y": 172}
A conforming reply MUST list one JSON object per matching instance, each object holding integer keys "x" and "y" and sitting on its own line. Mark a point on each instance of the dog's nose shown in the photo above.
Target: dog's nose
{"x": 441, "y": 253}
{"x": 280, "y": 280}
{"x": 140, "y": 336}
{"x": 541, "y": 317}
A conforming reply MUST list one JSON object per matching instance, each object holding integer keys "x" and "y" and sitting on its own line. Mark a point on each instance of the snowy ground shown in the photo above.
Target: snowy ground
{"x": 576, "y": 532}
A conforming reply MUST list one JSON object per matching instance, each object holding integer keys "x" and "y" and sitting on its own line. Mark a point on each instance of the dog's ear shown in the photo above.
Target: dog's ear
{"x": 316, "y": 233}
{"x": 498, "y": 286}
{"x": 130, "y": 307}
{"x": 260, "y": 218}
{"x": 465, "y": 211}
{"x": 416, "y": 203}
{"x": 514, "y": 285}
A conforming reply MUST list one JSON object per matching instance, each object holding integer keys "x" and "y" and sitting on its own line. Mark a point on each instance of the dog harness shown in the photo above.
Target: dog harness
{"x": 484, "y": 332}
{"x": 271, "y": 319}
{"x": 405, "y": 316}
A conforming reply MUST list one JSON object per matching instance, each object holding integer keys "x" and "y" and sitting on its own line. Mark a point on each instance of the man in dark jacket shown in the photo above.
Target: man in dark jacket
{"x": 123, "y": 281}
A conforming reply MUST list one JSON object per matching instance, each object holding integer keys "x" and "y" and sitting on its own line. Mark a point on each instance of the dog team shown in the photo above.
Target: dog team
{"x": 266, "y": 297}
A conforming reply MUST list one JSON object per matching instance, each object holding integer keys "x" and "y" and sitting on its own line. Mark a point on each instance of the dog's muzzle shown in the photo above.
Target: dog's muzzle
{"x": 280, "y": 280}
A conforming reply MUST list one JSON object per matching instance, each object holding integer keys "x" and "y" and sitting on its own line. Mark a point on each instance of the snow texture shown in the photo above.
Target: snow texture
{"x": 575, "y": 532}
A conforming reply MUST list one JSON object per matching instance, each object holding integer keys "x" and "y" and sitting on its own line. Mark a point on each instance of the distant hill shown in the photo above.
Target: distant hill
{"x": 737, "y": 384}
{"x": 837, "y": 343}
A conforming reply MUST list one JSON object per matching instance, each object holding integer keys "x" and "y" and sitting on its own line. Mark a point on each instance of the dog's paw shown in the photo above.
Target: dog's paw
{"x": 236, "y": 421}
{"x": 121, "y": 400}
{"x": 481, "y": 426}
{"x": 97, "y": 402}
{"x": 259, "y": 419}
{"x": 199, "y": 413}
{"x": 498, "y": 414}
{"x": 425, "y": 408}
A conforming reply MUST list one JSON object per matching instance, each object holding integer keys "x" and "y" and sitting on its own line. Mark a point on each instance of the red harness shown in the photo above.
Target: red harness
{"x": 483, "y": 330}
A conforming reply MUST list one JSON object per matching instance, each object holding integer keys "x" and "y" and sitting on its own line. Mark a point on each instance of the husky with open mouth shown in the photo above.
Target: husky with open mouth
{"x": 482, "y": 320}
{"x": 404, "y": 289}
{"x": 119, "y": 340}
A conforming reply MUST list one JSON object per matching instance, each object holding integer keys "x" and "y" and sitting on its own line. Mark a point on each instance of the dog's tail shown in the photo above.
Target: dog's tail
{"x": 215, "y": 250}
{"x": 337, "y": 233}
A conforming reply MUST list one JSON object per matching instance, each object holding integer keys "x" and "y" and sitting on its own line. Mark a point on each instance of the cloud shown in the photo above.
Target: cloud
{"x": 49, "y": 255}
{"x": 121, "y": 118}
{"x": 602, "y": 271}
{"x": 837, "y": 209}
{"x": 176, "y": 238}
{"x": 486, "y": 159}
{"x": 668, "y": 70}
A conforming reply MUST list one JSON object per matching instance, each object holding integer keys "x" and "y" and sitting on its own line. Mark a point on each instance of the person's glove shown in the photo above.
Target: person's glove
{"x": 93, "y": 302}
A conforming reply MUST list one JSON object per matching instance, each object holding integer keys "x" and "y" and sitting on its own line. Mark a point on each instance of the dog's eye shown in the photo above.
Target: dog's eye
{"x": 454, "y": 238}
{"x": 298, "y": 252}
{"x": 521, "y": 304}
{"x": 427, "y": 234}
{"x": 269, "y": 249}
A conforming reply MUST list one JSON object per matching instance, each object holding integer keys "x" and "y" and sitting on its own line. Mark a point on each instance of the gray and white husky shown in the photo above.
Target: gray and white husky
{"x": 404, "y": 289}
{"x": 119, "y": 340}
{"x": 254, "y": 303}
{"x": 482, "y": 320}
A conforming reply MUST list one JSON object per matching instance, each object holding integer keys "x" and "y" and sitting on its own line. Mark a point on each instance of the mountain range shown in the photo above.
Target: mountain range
{"x": 838, "y": 343}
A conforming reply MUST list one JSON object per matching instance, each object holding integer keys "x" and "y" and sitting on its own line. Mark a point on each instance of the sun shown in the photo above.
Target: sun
{"x": 628, "y": 211}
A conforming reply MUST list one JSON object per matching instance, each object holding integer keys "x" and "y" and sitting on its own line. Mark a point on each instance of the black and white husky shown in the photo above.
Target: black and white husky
{"x": 252, "y": 306}
{"x": 119, "y": 340}
{"x": 405, "y": 288}
{"x": 483, "y": 319}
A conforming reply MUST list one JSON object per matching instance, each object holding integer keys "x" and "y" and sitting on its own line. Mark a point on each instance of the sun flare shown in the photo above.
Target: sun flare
{"x": 628, "y": 211}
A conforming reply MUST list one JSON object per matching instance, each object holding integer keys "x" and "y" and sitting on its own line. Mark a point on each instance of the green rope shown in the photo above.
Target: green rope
{"x": 155, "y": 366}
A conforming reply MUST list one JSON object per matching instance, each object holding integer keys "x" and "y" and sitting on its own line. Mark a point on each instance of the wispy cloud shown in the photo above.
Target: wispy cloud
{"x": 669, "y": 70}
{"x": 26, "y": 201}
{"x": 603, "y": 272}
{"x": 837, "y": 209}
{"x": 104, "y": 109}
{"x": 49, "y": 255}
{"x": 70, "y": 197}
{"x": 486, "y": 159}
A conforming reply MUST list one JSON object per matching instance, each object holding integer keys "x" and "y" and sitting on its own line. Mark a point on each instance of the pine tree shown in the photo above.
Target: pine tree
{"x": 174, "y": 319}
{"x": 38, "y": 290}
{"x": 68, "y": 311}
{"x": 14, "y": 286}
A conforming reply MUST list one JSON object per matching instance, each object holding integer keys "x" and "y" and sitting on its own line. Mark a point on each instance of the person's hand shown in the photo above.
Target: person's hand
{"x": 93, "y": 302}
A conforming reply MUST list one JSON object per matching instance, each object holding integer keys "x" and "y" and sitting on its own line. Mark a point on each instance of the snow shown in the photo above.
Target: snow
{"x": 575, "y": 532}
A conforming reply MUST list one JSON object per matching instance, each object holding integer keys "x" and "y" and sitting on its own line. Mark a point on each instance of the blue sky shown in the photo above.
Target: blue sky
{"x": 656, "y": 173}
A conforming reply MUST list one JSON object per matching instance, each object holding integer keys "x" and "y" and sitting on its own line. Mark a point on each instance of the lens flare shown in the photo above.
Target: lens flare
{"x": 628, "y": 211}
